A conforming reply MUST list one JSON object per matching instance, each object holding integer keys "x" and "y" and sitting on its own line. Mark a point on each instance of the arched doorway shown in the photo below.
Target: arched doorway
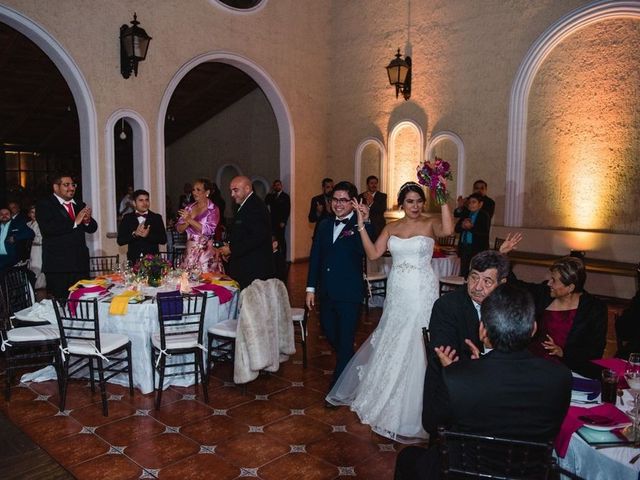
{"x": 274, "y": 98}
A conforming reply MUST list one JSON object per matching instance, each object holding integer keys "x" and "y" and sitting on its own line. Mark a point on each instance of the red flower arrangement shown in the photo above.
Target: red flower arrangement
{"x": 433, "y": 176}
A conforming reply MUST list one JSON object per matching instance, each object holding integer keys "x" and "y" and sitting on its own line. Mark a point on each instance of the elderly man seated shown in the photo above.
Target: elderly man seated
{"x": 507, "y": 392}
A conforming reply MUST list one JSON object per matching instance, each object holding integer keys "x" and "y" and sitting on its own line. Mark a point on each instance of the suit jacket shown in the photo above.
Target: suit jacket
{"x": 335, "y": 269}
{"x": 250, "y": 242}
{"x": 453, "y": 319}
{"x": 279, "y": 208}
{"x": 514, "y": 395}
{"x": 138, "y": 245}
{"x": 313, "y": 215}
{"x": 488, "y": 206}
{"x": 376, "y": 212}
{"x": 64, "y": 248}
{"x": 17, "y": 235}
{"x": 479, "y": 231}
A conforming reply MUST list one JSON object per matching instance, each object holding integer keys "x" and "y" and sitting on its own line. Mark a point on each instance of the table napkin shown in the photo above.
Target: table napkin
{"x": 571, "y": 423}
{"x": 96, "y": 281}
{"x": 112, "y": 277}
{"x": 587, "y": 385}
{"x": 120, "y": 303}
{"x": 222, "y": 293}
{"x": 78, "y": 293}
{"x": 216, "y": 279}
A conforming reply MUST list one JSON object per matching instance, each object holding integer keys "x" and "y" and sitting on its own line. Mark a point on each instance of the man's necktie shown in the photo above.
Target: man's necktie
{"x": 69, "y": 207}
{"x": 338, "y": 222}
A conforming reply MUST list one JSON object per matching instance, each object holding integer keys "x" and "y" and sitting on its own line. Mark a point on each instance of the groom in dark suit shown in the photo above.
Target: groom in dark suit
{"x": 63, "y": 223}
{"x": 250, "y": 250}
{"x": 335, "y": 274}
{"x": 142, "y": 230}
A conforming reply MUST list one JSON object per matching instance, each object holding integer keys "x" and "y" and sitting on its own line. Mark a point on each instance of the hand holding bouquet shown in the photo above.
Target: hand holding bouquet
{"x": 435, "y": 175}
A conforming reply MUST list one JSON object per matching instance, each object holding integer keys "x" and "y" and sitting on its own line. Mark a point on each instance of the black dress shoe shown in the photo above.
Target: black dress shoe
{"x": 330, "y": 405}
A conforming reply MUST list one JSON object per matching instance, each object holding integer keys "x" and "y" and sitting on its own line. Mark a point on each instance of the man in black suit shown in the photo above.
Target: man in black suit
{"x": 474, "y": 232}
{"x": 377, "y": 202}
{"x": 142, "y": 230}
{"x": 488, "y": 204}
{"x": 455, "y": 327}
{"x": 335, "y": 274}
{"x": 250, "y": 251}
{"x": 507, "y": 392}
{"x": 279, "y": 205}
{"x": 321, "y": 204}
{"x": 63, "y": 223}
{"x": 13, "y": 232}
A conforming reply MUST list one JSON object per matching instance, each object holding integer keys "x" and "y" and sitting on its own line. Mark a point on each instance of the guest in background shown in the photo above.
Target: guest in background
{"x": 186, "y": 197}
{"x": 16, "y": 212}
{"x": 507, "y": 392}
{"x": 279, "y": 205}
{"x": 200, "y": 220}
{"x": 13, "y": 231}
{"x": 126, "y": 204}
{"x": 628, "y": 329}
{"x": 64, "y": 222}
{"x": 250, "y": 250}
{"x": 142, "y": 230}
{"x": 488, "y": 204}
{"x": 377, "y": 203}
{"x": 216, "y": 197}
{"x": 572, "y": 322}
{"x": 35, "y": 256}
{"x": 474, "y": 232}
{"x": 321, "y": 204}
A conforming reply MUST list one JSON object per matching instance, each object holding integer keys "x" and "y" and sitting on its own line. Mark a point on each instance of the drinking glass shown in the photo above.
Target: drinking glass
{"x": 632, "y": 376}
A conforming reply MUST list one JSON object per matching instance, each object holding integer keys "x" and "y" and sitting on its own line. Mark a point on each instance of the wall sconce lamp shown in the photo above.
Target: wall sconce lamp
{"x": 399, "y": 71}
{"x": 134, "y": 43}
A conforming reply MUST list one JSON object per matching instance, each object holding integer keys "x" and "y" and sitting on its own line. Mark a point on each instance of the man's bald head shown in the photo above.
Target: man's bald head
{"x": 240, "y": 187}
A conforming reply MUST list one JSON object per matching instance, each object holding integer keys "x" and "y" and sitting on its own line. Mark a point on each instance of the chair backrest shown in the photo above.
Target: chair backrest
{"x": 174, "y": 257}
{"x": 467, "y": 455}
{"x": 77, "y": 320}
{"x": 102, "y": 265}
{"x": 17, "y": 290}
{"x": 498, "y": 243}
{"x": 448, "y": 241}
{"x": 180, "y": 314}
{"x": 5, "y": 316}
{"x": 177, "y": 238}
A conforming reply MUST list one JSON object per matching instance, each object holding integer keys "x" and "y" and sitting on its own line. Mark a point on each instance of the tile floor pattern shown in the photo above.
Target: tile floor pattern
{"x": 278, "y": 429}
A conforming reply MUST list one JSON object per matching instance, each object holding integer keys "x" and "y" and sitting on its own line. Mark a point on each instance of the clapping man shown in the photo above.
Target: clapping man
{"x": 63, "y": 223}
{"x": 321, "y": 204}
{"x": 142, "y": 230}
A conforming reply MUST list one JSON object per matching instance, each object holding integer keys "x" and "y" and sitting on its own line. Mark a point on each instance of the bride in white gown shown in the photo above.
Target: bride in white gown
{"x": 384, "y": 380}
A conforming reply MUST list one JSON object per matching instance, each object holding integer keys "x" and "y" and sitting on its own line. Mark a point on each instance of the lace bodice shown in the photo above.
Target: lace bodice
{"x": 411, "y": 253}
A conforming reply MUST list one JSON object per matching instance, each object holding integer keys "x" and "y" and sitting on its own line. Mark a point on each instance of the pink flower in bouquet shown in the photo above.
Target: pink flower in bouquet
{"x": 434, "y": 175}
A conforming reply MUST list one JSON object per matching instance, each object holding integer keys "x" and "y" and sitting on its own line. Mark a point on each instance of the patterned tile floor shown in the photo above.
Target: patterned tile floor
{"x": 278, "y": 429}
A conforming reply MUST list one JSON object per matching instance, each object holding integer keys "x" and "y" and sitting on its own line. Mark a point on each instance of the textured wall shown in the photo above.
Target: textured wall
{"x": 245, "y": 134}
{"x": 583, "y": 144}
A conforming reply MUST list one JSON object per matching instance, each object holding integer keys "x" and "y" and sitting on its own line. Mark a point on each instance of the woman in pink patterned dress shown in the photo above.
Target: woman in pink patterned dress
{"x": 200, "y": 220}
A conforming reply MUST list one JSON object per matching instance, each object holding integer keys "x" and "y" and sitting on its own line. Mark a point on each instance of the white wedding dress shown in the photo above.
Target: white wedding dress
{"x": 383, "y": 382}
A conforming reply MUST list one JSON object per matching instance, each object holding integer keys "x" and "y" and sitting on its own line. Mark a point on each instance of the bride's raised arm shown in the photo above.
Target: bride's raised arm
{"x": 445, "y": 227}
{"x": 373, "y": 251}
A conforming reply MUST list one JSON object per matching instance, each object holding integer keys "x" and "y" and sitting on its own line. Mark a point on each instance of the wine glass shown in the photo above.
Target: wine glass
{"x": 632, "y": 375}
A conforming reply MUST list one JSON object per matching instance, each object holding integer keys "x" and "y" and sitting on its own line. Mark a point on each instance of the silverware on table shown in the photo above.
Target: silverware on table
{"x": 635, "y": 458}
{"x": 620, "y": 393}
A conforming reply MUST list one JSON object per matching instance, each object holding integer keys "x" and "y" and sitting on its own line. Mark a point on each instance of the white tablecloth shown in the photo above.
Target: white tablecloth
{"x": 140, "y": 322}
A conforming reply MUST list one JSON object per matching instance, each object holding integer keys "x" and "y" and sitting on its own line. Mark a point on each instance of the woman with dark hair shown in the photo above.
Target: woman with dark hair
{"x": 383, "y": 382}
{"x": 572, "y": 323}
{"x": 200, "y": 220}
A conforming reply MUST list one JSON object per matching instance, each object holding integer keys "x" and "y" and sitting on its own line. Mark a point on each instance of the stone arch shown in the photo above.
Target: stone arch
{"x": 276, "y": 100}
{"x": 394, "y": 183}
{"x": 141, "y": 159}
{"x": 518, "y": 104}
{"x": 85, "y": 106}
{"x": 383, "y": 160}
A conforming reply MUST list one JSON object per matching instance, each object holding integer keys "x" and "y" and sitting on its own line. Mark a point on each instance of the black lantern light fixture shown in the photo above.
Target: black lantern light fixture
{"x": 134, "y": 43}
{"x": 399, "y": 71}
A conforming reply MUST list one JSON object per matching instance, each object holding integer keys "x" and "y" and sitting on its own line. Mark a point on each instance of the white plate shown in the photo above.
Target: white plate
{"x": 606, "y": 428}
{"x": 91, "y": 295}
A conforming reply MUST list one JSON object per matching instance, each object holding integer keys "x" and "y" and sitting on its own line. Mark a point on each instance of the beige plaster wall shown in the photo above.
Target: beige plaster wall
{"x": 245, "y": 135}
{"x": 287, "y": 39}
{"x": 583, "y": 145}
{"x": 465, "y": 55}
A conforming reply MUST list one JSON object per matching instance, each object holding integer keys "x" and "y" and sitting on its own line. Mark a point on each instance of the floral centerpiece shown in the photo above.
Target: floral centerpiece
{"x": 153, "y": 268}
{"x": 434, "y": 175}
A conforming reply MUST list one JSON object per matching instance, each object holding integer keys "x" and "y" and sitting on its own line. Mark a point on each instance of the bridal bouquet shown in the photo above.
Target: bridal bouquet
{"x": 433, "y": 175}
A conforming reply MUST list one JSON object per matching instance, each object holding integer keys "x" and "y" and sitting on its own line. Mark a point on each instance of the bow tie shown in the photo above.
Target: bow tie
{"x": 141, "y": 214}
{"x": 338, "y": 222}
